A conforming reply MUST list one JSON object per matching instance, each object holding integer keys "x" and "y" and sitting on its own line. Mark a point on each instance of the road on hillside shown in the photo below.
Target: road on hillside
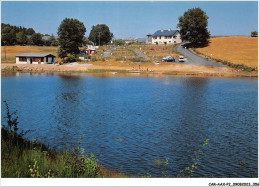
{"x": 139, "y": 54}
{"x": 192, "y": 59}
{"x": 107, "y": 52}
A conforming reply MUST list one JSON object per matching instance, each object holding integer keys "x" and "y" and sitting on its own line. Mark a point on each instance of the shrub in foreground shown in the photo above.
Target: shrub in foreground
{"x": 23, "y": 158}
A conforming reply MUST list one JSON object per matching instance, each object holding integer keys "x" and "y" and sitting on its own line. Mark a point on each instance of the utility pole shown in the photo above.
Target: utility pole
{"x": 99, "y": 37}
{"x": 5, "y": 49}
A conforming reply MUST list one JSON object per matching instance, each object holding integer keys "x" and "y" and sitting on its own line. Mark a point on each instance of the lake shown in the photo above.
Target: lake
{"x": 132, "y": 124}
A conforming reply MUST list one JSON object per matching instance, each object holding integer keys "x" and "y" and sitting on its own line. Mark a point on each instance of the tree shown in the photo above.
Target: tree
{"x": 100, "y": 34}
{"x": 119, "y": 42}
{"x": 53, "y": 41}
{"x": 30, "y": 31}
{"x": 71, "y": 37}
{"x": 36, "y": 39}
{"x": 193, "y": 27}
{"x": 21, "y": 38}
{"x": 8, "y": 35}
{"x": 254, "y": 34}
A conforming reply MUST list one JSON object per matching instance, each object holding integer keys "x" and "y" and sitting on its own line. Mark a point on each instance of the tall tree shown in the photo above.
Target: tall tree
{"x": 100, "y": 34}
{"x": 21, "y": 38}
{"x": 193, "y": 27}
{"x": 71, "y": 36}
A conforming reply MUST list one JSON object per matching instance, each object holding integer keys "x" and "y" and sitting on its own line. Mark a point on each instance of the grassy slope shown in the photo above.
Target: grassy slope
{"x": 236, "y": 49}
{"x": 124, "y": 51}
{"x": 158, "y": 52}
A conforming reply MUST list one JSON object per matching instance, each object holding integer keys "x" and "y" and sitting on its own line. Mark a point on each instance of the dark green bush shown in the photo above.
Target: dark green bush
{"x": 70, "y": 58}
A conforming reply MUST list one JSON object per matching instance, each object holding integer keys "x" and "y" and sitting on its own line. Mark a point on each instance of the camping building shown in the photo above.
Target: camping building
{"x": 35, "y": 58}
{"x": 164, "y": 37}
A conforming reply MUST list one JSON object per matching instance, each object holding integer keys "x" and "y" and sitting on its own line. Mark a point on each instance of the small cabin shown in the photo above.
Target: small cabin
{"x": 35, "y": 58}
{"x": 91, "y": 50}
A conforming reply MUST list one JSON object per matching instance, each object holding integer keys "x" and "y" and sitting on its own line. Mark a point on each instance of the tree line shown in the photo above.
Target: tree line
{"x": 17, "y": 35}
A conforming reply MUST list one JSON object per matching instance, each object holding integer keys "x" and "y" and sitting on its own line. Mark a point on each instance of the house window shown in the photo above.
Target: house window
{"x": 22, "y": 59}
{"x": 155, "y": 37}
{"x": 160, "y": 37}
{"x": 169, "y": 41}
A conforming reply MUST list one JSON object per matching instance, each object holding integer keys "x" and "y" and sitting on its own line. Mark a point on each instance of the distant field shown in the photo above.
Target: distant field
{"x": 236, "y": 49}
{"x": 12, "y": 51}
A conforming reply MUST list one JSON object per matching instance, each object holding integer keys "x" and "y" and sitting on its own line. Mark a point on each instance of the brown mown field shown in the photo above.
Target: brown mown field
{"x": 235, "y": 49}
{"x": 12, "y": 51}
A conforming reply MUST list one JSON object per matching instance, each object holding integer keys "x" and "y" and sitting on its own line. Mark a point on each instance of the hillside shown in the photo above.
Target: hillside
{"x": 235, "y": 49}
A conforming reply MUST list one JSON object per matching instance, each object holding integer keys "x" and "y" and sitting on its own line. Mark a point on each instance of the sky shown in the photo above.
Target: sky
{"x": 131, "y": 18}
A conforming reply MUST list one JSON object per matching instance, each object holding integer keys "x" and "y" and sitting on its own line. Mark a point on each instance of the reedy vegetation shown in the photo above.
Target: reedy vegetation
{"x": 23, "y": 158}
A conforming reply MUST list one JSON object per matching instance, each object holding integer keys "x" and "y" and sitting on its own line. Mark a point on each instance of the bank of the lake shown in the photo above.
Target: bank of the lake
{"x": 21, "y": 158}
{"x": 115, "y": 68}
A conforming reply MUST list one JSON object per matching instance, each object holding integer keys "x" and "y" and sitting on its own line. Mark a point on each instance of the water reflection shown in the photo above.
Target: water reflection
{"x": 190, "y": 114}
{"x": 67, "y": 106}
{"x": 67, "y": 76}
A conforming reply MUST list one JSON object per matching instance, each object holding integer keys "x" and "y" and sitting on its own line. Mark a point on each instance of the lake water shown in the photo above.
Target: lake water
{"x": 132, "y": 124}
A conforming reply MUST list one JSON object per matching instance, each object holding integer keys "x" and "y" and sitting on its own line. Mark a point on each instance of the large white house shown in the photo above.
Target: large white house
{"x": 35, "y": 58}
{"x": 164, "y": 37}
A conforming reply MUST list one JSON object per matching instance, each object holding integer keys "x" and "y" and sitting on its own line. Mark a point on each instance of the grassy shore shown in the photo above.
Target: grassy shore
{"x": 29, "y": 159}
{"x": 21, "y": 158}
{"x": 120, "y": 68}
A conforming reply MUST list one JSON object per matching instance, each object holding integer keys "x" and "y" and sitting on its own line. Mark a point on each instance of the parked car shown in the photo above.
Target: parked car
{"x": 168, "y": 59}
{"x": 181, "y": 59}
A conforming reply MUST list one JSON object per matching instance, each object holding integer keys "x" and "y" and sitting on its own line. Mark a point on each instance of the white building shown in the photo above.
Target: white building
{"x": 129, "y": 40}
{"x": 35, "y": 58}
{"x": 164, "y": 37}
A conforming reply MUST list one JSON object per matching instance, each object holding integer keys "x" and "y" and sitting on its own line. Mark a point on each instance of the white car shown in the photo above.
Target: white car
{"x": 181, "y": 59}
